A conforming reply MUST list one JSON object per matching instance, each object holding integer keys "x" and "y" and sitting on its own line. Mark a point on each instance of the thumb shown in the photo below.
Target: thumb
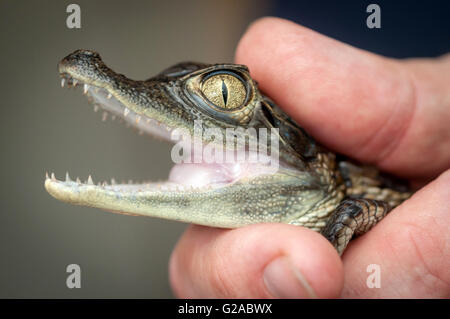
{"x": 257, "y": 261}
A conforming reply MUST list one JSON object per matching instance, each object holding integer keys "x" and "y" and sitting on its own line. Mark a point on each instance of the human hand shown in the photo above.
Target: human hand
{"x": 391, "y": 113}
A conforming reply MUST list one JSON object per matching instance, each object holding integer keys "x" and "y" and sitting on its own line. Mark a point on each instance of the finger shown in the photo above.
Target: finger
{"x": 411, "y": 247}
{"x": 355, "y": 102}
{"x": 258, "y": 261}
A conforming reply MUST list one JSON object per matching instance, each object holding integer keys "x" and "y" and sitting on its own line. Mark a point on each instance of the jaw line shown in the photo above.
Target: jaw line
{"x": 105, "y": 100}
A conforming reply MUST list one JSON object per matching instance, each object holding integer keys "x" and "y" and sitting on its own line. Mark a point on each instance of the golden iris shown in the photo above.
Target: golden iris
{"x": 224, "y": 90}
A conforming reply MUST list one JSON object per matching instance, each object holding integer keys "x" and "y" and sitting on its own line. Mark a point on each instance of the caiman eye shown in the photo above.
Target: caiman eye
{"x": 224, "y": 90}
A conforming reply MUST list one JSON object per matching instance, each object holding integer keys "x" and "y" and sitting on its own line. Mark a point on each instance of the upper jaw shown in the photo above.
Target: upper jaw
{"x": 114, "y": 94}
{"x": 105, "y": 100}
{"x": 156, "y": 106}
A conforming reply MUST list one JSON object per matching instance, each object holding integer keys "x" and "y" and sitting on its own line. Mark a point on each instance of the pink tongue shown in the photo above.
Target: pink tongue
{"x": 202, "y": 174}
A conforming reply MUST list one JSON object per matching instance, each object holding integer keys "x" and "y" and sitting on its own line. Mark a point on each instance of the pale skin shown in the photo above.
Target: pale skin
{"x": 394, "y": 114}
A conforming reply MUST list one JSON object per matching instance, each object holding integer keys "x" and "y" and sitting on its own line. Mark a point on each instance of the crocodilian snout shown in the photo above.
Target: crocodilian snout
{"x": 86, "y": 66}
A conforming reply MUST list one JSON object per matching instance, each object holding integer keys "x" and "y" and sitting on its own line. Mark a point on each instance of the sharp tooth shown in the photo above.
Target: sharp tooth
{"x": 104, "y": 184}
{"x": 86, "y": 88}
{"x": 113, "y": 181}
{"x": 109, "y": 95}
{"x": 90, "y": 181}
{"x": 68, "y": 177}
{"x": 126, "y": 111}
{"x": 46, "y": 175}
{"x": 53, "y": 177}
{"x": 78, "y": 180}
{"x": 104, "y": 116}
{"x": 63, "y": 80}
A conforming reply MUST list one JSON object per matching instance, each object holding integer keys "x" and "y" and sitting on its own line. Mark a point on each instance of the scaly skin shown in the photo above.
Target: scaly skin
{"x": 306, "y": 190}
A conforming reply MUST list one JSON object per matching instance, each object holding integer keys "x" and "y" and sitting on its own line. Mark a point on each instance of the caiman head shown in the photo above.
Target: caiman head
{"x": 203, "y": 97}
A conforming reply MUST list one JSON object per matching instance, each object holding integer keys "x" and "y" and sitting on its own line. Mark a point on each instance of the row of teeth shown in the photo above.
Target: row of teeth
{"x": 72, "y": 83}
{"x": 89, "y": 181}
{"x": 148, "y": 185}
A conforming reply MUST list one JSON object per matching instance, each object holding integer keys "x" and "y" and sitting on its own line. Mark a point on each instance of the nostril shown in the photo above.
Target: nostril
{"x": 81, "y": 54}
{"x": 88, "y": 53}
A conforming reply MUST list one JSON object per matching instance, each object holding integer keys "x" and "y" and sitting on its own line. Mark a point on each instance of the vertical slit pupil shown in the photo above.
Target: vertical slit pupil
{"x": 224, "y": 92}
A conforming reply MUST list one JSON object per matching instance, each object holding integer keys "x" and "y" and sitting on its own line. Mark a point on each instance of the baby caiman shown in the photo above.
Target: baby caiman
{"x": 312, "y": 187}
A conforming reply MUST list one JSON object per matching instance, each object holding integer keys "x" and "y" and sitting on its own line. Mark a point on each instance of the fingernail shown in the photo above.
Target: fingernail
{"x": 284, "y": 280}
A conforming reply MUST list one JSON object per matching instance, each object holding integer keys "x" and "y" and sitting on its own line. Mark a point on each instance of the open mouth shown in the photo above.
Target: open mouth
{"x": 183, "y": 177}
{"x": 232, "y": 192}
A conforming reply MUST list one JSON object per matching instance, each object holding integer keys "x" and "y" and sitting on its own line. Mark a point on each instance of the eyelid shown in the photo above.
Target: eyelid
{"x": 219, "y": 72}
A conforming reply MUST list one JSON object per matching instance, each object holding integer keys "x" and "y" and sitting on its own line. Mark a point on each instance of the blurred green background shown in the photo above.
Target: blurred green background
{"x": 46, "y": 128}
